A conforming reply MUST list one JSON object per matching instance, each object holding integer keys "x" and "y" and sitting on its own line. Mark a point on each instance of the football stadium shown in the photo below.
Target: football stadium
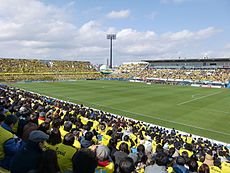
{"x": 91, "y": 87}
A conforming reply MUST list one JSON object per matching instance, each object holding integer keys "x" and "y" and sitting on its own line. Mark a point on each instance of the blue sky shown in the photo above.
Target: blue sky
{"x": 146, "y": 29}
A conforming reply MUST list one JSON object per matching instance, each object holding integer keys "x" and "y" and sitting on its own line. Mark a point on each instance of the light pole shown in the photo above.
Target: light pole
{"x": 111, "y": 37}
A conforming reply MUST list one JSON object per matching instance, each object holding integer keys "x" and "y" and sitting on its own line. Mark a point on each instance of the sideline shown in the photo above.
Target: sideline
{"x": 152, "y": 117}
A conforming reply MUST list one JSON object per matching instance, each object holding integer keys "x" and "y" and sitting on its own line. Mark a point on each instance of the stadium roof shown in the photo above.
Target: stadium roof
{"x": 188, "y": 60}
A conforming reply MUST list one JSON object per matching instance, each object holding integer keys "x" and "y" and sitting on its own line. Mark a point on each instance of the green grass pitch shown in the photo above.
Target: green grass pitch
{"x": 200, "y": 111}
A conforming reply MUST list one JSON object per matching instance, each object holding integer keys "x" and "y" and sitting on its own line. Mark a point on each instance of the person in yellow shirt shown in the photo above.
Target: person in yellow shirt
{"x": 66, "y": 128}
{"x": 65, "y": 152}
{"x": 106, "y": 137}
{"x": 76, "y": 134}
{"x": 5, "y": 134}
{"x": 126, "y": 140}
{"x": 225, "y": 167}
{"x": 216, "y": 168}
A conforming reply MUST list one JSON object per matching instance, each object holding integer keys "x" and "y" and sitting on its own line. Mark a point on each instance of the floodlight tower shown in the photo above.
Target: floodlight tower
{"x": 111, "y": 37}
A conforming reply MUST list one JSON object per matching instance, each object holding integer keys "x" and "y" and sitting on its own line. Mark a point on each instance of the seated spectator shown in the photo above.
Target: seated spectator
{"x": 126, "y": 165}
{"x": 204, "y": 169}
{"x": 179, "y": 167}
{"x": 45, "y": 127}
{"x": 8, "y": 145}
{"x": 83, "y": 157}
{"x": 158, "y": 164}
{"x": 28, "y": 158}
{"x": 23, "y": 115}
{"x": 193, "y": 166}
{"x": 142, "y": 158}
{"x": 9, "y": 123}
{"x": 121, "y": 154}
{"x": 54, "y": 137}
{"x": 105, "y": 163}
{"x": 29, "y": 127}
{"x": 41, "y": 118}
{"x": 2, "y": 114}
{"x": 112, "y": 146}
{"x": 216, "y": 168}
{"x": 48, "y": 163}
{"x": 86, "y": 141}
{"x": 208, "y": 159}
{"x": 6, "y": 132}
{"x": 66, "y": 129}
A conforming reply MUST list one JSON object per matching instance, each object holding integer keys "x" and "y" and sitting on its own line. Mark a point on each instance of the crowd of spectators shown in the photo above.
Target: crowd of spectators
{"x": 131, "y": 68}
{"x": 26, "y": 69}
{"x": 39, "y": 134}
{"x": 217, "y": 75}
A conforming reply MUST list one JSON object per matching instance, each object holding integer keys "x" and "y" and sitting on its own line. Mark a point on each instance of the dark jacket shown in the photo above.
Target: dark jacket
{"x": 11, "y": 147}
{"x": 119, "y": 155}
{"x": 85, "y": 143}
{"x": 26, "y": 159}
{"x": 180, "y": 169}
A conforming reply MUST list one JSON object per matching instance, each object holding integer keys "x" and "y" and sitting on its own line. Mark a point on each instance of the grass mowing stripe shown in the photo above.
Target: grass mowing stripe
{"x": 198, "y": 98}
{"x": 155, "y": 101}
{"x": 144, "y": 115}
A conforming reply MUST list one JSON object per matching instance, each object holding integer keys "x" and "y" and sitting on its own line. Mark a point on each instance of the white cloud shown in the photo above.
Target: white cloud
{"x": 207, "y": 32}
{"x": 185, "y": 35}
{"x": 32, "y": 29}
{"x": 118, "y": 14}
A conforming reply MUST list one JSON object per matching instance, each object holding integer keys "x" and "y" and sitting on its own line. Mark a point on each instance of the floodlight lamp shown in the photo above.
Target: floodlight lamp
{"x": 111, "y": 36}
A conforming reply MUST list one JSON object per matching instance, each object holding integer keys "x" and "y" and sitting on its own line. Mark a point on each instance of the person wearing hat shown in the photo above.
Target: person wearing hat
{"x": 41, "y": 117}
{"x": 6, "y": 132}
{"x": 28, "y": 158}
{"x": 105, "y": 163}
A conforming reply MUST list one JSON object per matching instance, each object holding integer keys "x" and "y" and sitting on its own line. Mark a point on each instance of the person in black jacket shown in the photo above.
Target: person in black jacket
{"x": 28, "y": 158}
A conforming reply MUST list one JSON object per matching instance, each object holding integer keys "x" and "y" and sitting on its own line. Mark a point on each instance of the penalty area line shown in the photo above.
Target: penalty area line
{"x": 198, "y": 98}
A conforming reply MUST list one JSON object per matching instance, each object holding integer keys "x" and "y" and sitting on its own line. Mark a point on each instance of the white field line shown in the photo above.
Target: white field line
{"x": 149, "y": 116}
{"x": 153, "y": 117}
{"x": 198, "y": 98}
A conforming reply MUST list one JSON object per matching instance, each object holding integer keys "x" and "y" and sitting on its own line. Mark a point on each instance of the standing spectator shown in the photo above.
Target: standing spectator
{"x": 6, "y": 131}
{"x": 82, "y": 157}
{"x": 126, "y": 165}
{"x": 2, "y": 115}
{"x": 28, "y": 158}
{"x": 48, "y": 163}
{"x": 8, "y": 146}
{"x": 121, "y": 154}
{"x": 86, "y": 141}
{"x": 65, "y": 152}
{"x": 105, "y": 163}
{"x": 204, "y": 168}
{"x": 29, "y": 127}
